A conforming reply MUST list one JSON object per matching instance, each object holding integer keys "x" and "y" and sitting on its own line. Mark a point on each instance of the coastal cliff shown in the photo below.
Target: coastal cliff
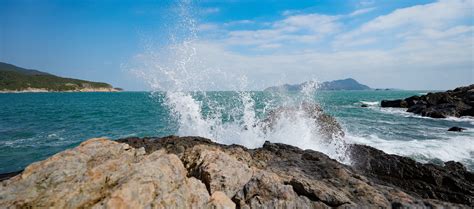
{"x": 194, "y": 172}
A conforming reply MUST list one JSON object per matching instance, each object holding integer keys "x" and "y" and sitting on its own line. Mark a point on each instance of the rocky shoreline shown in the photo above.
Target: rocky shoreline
{"x": 453, "y": 103}
{"x": 194, "y": 172}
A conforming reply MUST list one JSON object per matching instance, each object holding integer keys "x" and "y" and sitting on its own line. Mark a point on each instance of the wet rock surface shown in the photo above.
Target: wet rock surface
{"x": 453, "y": 103}
{"x": 456, "y": 129}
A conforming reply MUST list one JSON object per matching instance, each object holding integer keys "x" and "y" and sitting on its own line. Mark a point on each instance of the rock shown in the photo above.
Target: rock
{"x": 454, "y": 103}
{"x": 5, "y": 176}
{"x": 288, "y": 177}
{"x": 220, "y": 201}
{"x": 452, "y": 183}
{"x": 101, "y": 173}
{"x": 325, "y": 124}
{"x": 394, "y": 103}
{"x": 413, "y": 100}
{"x": 194, "y": 172}
{"x": 217, "y": 170}
{"x": 364, "y": 105}
{"x": 456, "y": 129}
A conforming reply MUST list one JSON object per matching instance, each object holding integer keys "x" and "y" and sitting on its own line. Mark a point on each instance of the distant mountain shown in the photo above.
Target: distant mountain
{"x": 345, "y": 84}
{"x": 17, "y": 79}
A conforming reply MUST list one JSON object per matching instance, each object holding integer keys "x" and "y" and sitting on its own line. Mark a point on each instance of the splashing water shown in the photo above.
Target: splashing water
{"x": 177, "y": 71}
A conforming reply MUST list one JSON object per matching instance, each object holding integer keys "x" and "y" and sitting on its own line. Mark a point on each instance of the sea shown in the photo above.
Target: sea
{"x": 35, "y": 126}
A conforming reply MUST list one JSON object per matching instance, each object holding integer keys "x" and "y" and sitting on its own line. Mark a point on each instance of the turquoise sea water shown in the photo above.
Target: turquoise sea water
{"x": 34, "y": 126}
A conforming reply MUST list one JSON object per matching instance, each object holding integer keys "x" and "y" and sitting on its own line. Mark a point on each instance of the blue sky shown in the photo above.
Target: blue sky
{"x": 399, "y": 44}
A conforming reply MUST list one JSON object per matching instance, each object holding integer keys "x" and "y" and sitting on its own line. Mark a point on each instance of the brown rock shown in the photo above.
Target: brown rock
{"x": 182, "y": 172}
{"x": 218, "y": 170}
{"x": 101, "y": 173}
{"x": 220, "y": 201}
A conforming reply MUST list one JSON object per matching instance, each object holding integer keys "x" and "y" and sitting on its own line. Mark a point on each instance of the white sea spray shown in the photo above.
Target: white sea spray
{"x": 177, "y": 71}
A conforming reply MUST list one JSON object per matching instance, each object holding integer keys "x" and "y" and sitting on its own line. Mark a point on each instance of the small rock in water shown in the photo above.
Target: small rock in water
{"x": 364, "y": 105}
{"x": 457, "y": 129}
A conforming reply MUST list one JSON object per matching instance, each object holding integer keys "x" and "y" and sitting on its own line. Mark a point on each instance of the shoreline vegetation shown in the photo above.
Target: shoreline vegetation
{"x": 15, "y": 79}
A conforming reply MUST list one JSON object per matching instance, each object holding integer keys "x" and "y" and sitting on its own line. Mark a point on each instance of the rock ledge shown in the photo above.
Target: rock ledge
{"x": 194, "y": 172}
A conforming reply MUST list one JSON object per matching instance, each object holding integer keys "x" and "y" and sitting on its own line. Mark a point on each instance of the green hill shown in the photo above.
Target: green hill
{"x": 345, "y": 84}
{"x": 13, "y": 78}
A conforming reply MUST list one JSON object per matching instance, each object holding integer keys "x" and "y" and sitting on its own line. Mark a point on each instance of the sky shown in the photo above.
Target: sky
{"x": 235, "y": 44}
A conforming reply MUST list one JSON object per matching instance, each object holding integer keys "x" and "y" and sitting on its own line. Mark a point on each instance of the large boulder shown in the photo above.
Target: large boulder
{"x": 101, "y": 173}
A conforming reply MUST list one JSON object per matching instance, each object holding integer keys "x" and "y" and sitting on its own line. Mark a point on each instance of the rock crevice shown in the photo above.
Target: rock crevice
{"x": 194, "y": 172}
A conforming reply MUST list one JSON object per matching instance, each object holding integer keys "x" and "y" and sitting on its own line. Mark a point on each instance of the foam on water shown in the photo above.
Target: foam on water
{"x": 371, "y": 103}
{"x": 403, "y": 112}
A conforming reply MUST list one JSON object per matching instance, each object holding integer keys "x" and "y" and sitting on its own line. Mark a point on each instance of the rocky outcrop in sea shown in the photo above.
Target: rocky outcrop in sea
{"x": 194, "y": 172}
{"x": 453, "y": 103}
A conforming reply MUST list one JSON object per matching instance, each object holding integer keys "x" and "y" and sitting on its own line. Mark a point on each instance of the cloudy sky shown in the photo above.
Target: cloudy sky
{"x": 385, "y": 44}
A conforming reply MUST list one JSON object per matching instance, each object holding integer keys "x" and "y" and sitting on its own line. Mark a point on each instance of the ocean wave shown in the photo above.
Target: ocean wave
{"x": 54, "y": 139}
{"x": 403, "y": 112}
{"x": 458, "y": 148}
{"x": 461, "y": 119}
{"x": 370, "y": 103}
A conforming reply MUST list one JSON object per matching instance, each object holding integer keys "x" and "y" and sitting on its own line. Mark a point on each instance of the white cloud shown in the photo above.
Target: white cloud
{"x": 361, "y": 11}
{"x": 413, "y": 65}
{"x": 239, "y": 22}
{"x": 305, "y": 28}
{"x": 421, "y": 47}
{"x": 412, "y": 21}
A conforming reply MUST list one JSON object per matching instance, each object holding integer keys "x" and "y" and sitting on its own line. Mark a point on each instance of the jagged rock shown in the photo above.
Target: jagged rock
{"x": 218, "y": 170}
{"x": 285, "y": 176}
{"x": 455, "y": 103}
{"x": 182, "y": 172}
{"x": 220, "y": 201}
{"x": 456, "y": 129}
{"x": 394, "y": 103}
{"x": 452, "y": 183}
{"x": 101, "y": 173}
